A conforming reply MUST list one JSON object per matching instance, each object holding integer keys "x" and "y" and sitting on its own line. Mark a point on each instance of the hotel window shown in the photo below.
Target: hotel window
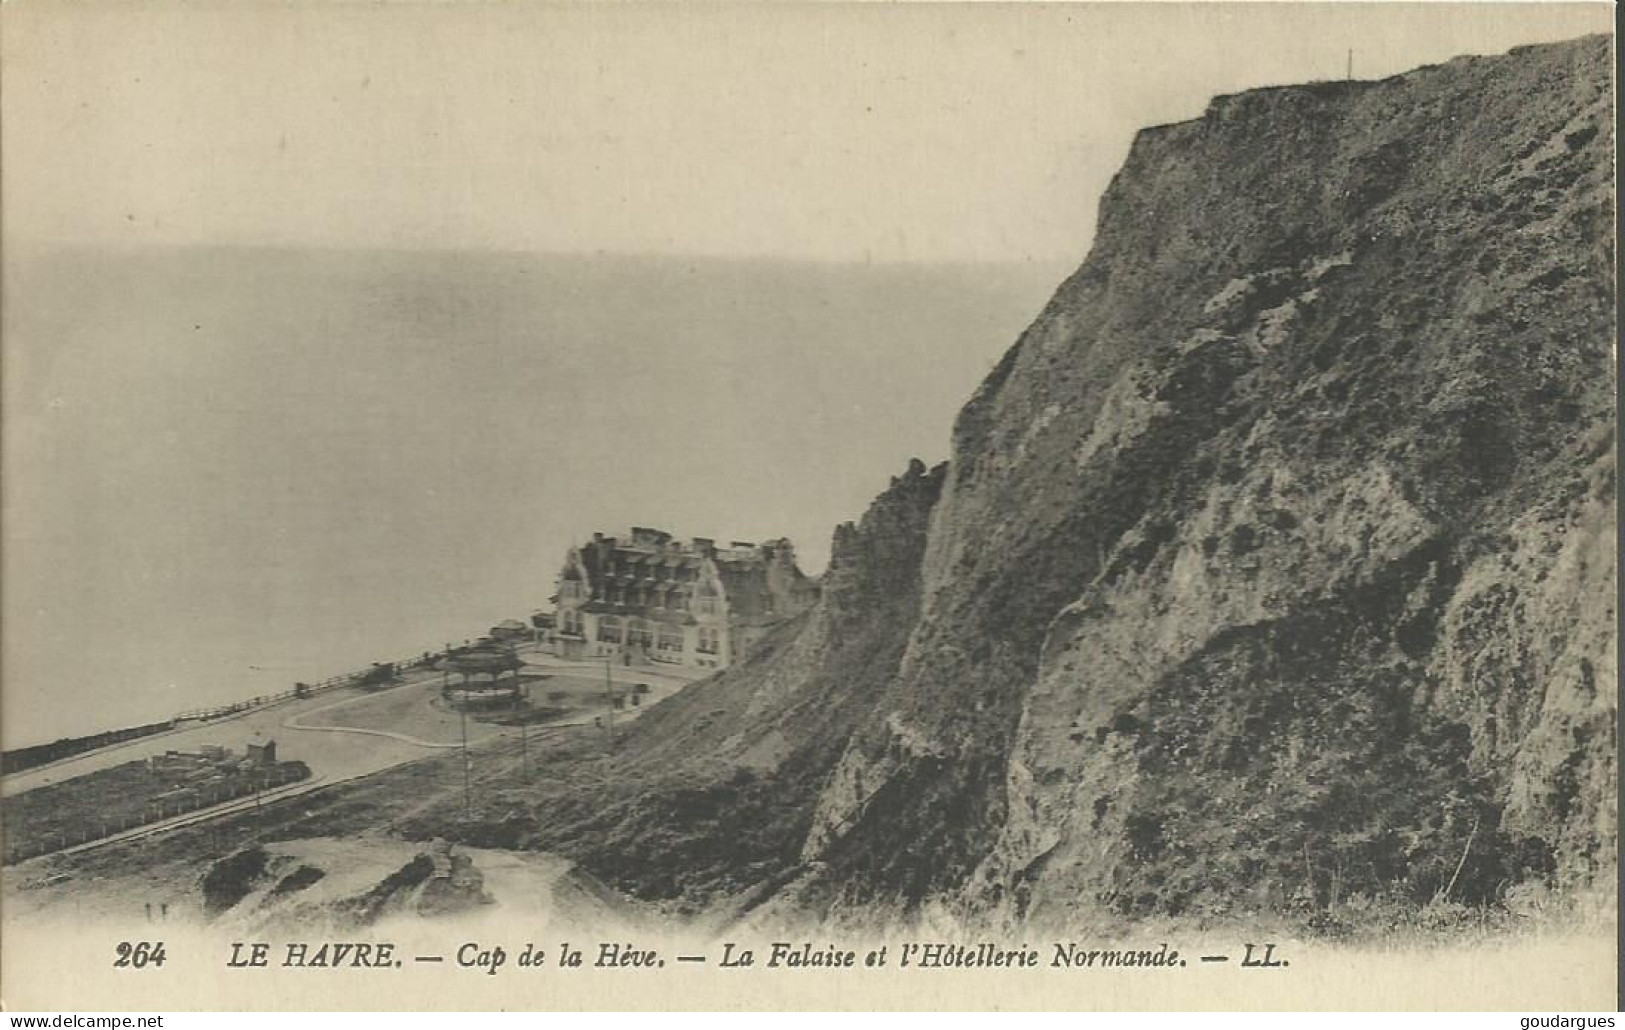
{"x": 671, "y": 640}
{"x": 570, "y": 589}
{"x": 609, "y": 629}
{"x": 638, "y": 634}
{"x": 708, "y": 641}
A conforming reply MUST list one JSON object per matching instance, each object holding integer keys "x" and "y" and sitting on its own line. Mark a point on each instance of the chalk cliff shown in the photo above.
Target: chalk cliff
{"x": 1273, "y": 566}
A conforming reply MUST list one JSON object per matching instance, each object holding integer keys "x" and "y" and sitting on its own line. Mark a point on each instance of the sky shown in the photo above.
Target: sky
{"x": 897, "y": 132}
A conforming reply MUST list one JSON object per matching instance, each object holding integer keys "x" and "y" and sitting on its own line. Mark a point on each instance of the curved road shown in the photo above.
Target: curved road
{"x": 335, "y": 754}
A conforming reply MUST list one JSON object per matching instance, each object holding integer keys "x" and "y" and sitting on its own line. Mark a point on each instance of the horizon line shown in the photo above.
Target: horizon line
{"x": 13, "y": 244}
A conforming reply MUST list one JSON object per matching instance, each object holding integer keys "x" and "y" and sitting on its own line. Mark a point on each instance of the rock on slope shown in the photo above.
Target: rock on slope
{"x": 1275, "y": 562}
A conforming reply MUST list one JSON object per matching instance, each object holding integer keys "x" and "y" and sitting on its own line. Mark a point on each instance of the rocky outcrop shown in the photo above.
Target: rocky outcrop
{"x": 455, "y": 883}
{"x": 1273, "y": 568}
{"x": 259, "y": 886}
{"x": 1276, "y": 559}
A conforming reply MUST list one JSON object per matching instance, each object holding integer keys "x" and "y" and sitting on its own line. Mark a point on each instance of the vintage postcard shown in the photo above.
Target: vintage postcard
{"x": 809, "y": 506}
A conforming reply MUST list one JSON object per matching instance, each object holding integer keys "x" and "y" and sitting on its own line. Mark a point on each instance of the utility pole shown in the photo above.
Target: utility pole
{"x": 1351, "y": 64}
{"x": 468, "y": 789}
{"x": 609, "y": 699}
{"x": 524, "y": 731}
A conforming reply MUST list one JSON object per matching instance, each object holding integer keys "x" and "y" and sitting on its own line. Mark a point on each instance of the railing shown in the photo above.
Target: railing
{"x": 154, "y": 812}
{"x": 40, "y": 755}
{"x": 303, "y": 690}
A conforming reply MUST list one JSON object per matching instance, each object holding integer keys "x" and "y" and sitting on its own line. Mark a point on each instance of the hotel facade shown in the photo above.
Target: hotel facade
{"x": 648, "y": 597}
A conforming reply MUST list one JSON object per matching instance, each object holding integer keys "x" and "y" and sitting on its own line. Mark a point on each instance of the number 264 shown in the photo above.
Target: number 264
{"x": 139, "y": 955}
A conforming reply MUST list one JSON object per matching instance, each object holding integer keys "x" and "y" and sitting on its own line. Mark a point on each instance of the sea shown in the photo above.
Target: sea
{"x": 230, "y": 469}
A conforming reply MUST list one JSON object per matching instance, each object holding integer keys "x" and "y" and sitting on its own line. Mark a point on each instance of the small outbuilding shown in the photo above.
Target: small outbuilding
{"x": 262, "y": 756}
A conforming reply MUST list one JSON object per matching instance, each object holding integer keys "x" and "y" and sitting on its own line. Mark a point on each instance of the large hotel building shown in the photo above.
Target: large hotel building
{"x": 650, "y": 597}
